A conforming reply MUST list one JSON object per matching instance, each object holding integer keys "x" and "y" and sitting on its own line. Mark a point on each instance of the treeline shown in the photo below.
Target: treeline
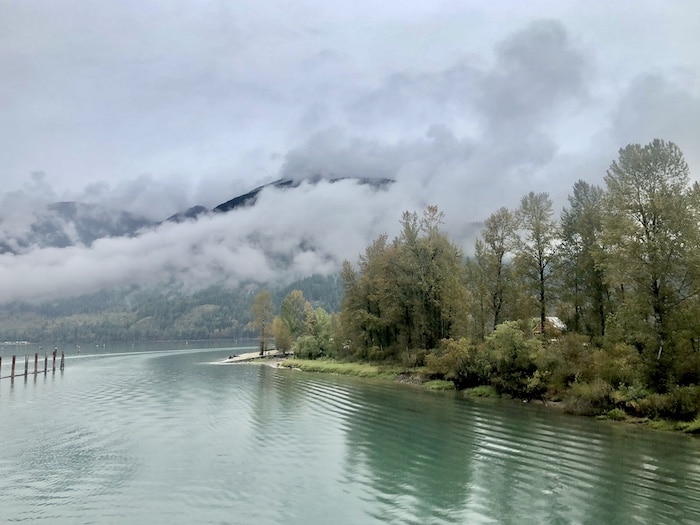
{"x": 164, "y": 313}
{"x": 620, "y": 267}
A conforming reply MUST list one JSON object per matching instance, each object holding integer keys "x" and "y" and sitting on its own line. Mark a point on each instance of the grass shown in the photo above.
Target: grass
{"x": 439, "y": 384}
{"x": 481, "y": 391}
{"x": 329, "y": 366}
{"x": 616, "y": 414}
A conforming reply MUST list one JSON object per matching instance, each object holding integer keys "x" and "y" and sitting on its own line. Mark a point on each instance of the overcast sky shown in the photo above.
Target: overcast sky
{"x": 157, "y": 106}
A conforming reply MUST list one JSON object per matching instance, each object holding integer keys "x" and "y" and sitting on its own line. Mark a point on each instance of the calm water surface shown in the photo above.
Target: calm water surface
{"x": 167, "y": 436}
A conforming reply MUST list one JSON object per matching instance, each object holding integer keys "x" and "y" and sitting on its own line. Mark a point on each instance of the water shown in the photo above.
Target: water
{"x": 168, "y": 437}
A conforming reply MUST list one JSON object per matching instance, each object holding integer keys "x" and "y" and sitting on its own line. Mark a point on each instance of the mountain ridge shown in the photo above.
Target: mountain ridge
{"x": 70, "y": 223}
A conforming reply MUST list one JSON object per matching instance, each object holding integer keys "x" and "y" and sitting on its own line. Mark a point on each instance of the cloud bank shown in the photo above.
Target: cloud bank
{"x": 463, "y": 108}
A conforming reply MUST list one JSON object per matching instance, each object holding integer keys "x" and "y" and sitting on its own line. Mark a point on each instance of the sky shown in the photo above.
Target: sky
{"x": 153, "y": 107}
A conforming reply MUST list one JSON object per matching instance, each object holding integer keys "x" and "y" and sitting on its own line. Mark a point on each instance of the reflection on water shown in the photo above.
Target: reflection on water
{"x": 165, "y": 436}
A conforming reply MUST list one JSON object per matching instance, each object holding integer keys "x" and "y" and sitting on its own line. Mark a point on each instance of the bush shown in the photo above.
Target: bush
{"x": 461, "y": 362}
{"x": 626, "y": 395}
{"x": 415, "y": 359}
{"x": 481, "y": 391}
{"x": 513, "y": 357}
{"x": 693, "y": 427}
{"x": 616, "y": 414}
{"x": 684, "y": 403}
{"x": 307, "y": 347}
{"x": 588, "y": 399}
{"x": 617, "y": 364}
{"x": 680, "y": 404}
{"x": 566, "y": 360}
{"x": 439, "y": 384}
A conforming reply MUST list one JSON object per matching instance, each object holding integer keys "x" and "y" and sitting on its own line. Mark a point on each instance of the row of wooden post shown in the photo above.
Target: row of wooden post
{"x": 36, "y": 364}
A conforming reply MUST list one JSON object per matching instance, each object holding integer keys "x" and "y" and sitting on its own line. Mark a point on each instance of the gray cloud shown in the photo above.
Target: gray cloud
{"x": 536, "y": 71}
{"x": 134, "y": 107}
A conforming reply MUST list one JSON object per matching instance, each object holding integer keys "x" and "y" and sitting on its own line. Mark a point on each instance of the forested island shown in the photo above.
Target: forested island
{"x": 597, "y": 309}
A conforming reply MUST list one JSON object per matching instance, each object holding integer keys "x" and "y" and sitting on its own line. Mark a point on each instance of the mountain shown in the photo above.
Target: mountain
{"x": 64, "y": 224}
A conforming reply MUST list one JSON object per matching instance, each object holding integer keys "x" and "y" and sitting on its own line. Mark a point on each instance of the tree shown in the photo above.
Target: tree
{"x": 283, "y": 337}
{"x": 651, "y": 229}
{"x": 408, "y": 294}
{"x": 261, "y": 312}
{"x": 583, "y": 279}
{"x": 537, "y": 245}
{"x": 498, "y": 238}
{"x": 292, "y": 312}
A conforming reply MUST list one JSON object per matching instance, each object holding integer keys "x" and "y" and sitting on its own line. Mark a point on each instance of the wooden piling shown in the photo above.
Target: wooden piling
{"x": 26, "y": 365}
{"x": 62, "y": 357}
{"x": 46, "y": 362}
{"x": 36, "y": 362}
{"x": 12, "y": 373}
{"x": 53, "y": 369}
{"x": 0, "y": 367}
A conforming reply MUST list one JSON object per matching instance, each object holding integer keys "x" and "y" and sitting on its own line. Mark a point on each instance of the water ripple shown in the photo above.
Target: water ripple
{"x": 166, "y": 437}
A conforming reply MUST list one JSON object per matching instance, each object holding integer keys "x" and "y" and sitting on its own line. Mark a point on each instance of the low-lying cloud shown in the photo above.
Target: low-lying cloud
{"x": 470, "y": 136}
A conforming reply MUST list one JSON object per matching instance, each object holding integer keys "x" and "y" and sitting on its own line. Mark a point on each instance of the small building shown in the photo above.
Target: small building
{"x": 552, "y": 325}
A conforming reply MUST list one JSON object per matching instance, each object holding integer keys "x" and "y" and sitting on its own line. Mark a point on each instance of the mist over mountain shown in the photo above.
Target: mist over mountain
{"x": 176, "y": 112}
{"x": 63, "y": 224}
{"x": 276, "y": 233}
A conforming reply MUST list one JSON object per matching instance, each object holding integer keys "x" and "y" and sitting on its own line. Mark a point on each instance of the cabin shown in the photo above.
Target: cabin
{"x": 552, "y": 325}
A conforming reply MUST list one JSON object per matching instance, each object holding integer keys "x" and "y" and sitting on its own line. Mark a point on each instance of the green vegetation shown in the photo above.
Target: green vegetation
{"x": 147, "y": 314}
{"x": 439, "y": 384}
{"x": 329, "y": 366}
{"x": 261, "y": 313}
{"x": 597, "y": 310}
{"x": 620, "y": 269}
{"x": 481, "y": 391}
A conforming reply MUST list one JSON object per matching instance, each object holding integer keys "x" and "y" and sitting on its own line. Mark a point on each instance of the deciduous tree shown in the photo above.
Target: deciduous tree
{"x": 651, "y": 228}
{"x": 262, "y": 312}
{"x": 537, "y": 246}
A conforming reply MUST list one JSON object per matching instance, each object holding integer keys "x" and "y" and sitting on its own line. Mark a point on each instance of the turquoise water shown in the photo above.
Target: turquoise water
{"x": 162, "y": 435}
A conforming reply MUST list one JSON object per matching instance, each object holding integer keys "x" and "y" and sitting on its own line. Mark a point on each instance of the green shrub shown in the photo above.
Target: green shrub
{"x": 684, "y": 403}
{"x": 481, "y": 391}
{"x": 626, "y": 395}
{"x": 566, "y": 360}
{"x": 617, "y": 364}
{"x": 680, "y": 404}
{"x": 616, "y": 414}
{"x": 693, "y": 427}
{"x": 459, "y": 361}
{"x": 439, "y": 384}
{"x": 307, "y": 347}
{"x": 652, "y": 406}
{"x": 513, "y": 358}
{"x": 588, "y": 398}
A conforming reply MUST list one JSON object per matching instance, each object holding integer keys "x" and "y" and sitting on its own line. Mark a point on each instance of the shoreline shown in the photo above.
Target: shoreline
{"x": 401, "y": 376}
{"x": 270, "y": 358}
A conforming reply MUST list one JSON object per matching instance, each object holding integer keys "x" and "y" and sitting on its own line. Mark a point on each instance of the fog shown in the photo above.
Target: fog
{"x": 153, "y": 110}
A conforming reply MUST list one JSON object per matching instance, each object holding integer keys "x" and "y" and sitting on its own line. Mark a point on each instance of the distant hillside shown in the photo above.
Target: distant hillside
{"x": 167, "y": 313}
{"x": 63, "y": 224}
